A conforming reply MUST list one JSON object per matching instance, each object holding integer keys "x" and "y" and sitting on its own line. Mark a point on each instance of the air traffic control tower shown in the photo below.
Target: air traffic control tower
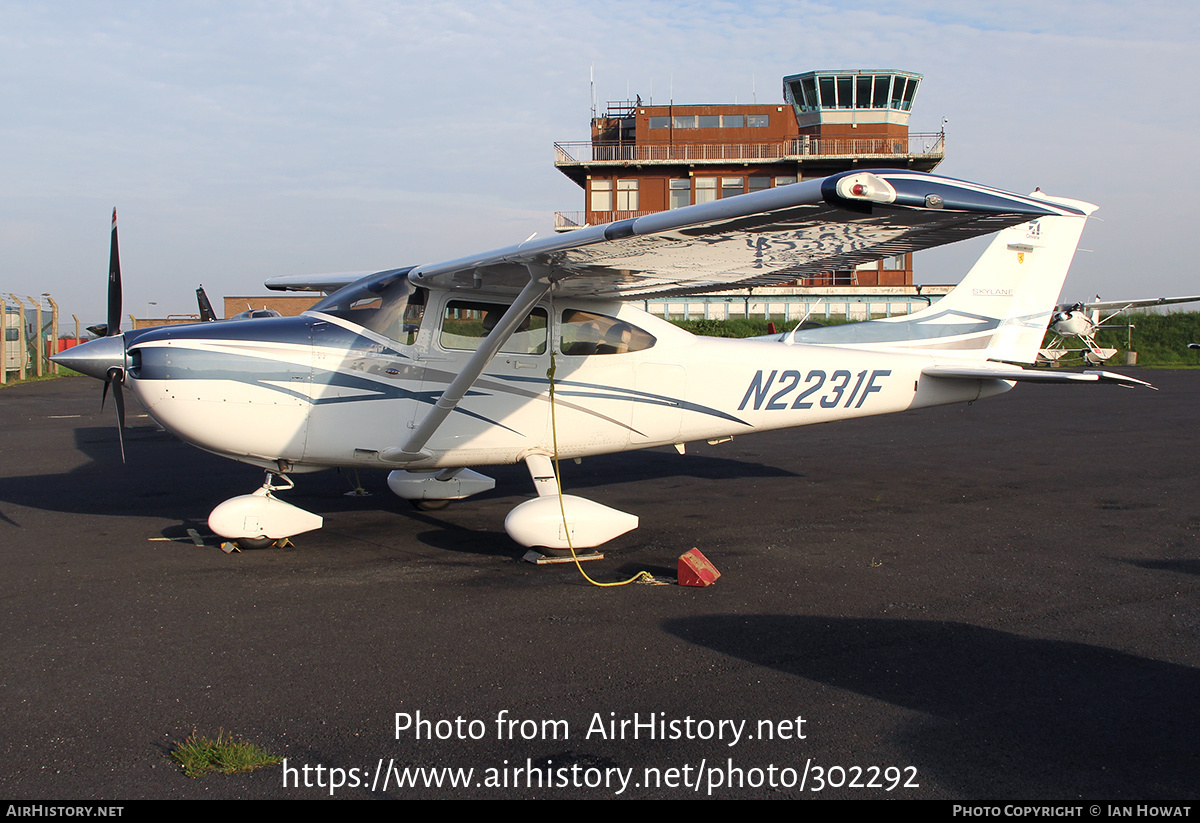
{"x": 644, "y": 158}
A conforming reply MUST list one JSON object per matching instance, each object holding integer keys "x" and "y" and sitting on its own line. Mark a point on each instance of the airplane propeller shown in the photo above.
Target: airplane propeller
{"x": 115, "y": 375}
{"x": 104, "y": 357}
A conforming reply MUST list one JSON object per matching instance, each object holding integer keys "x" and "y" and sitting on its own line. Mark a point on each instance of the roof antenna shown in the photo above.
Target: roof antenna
{"x": 592, "y": 88}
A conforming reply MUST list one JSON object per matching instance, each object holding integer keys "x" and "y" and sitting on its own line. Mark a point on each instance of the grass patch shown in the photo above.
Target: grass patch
{"x": 1159, "y": 339}
{"x": 199, "y": 755}
{"x": 747, "y": 326}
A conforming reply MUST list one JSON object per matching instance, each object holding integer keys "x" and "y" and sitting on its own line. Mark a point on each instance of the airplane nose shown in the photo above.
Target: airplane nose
{"x": 95, "y": 357}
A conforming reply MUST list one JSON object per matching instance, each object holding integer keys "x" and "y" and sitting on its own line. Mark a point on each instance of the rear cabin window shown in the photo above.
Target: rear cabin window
{"x": 466, "y": 324}
{"x": 585, "y": 333}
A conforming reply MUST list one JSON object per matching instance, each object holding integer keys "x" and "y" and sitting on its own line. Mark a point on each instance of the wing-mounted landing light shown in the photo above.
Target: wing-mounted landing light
{"x": 866, "y": 187}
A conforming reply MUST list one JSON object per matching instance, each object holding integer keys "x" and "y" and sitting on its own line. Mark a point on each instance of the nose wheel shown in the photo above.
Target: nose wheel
{"x": 429, "y": 505}
{"x": 252, "y": 543}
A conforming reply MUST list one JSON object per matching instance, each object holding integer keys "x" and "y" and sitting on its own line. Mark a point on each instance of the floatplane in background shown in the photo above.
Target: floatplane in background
{"x": 534, "y": 352}
{"x": 1083, "y": 321}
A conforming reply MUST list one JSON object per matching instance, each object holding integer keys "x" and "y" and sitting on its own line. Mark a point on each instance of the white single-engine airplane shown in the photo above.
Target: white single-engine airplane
{"x": 531, "y": 352}
{"x": 1083, "y": 321}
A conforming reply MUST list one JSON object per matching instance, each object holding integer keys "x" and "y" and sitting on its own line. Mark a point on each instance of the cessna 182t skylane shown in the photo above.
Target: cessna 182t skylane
{"x": 431, "y": 369}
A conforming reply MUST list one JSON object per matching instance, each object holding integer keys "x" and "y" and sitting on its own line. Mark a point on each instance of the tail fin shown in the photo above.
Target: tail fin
{"x": 999, "y": 311}
{"x": 206, "y": 309}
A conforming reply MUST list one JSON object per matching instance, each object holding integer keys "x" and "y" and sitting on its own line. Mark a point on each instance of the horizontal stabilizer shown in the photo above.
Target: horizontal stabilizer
{"x": 1030, "y": 376}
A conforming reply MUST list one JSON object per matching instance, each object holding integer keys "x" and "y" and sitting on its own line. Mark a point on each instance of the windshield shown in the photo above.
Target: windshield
{"x": 392, "y": 307}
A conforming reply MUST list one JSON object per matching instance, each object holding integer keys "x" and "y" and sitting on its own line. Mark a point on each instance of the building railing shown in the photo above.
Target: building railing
{"x": 564, "y": 220}
{"x": 785, "y": 308}
{"x": 919, "y": 145}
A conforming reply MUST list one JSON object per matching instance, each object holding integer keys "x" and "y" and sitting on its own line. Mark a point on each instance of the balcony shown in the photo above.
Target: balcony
{"x": 930, "y": 148}
{"x": 568, "y": 220}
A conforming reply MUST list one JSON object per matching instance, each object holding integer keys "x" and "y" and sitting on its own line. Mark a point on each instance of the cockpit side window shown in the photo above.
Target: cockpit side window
{"x": 465, "y": 324}
{"x": 585, "y": 333}
{"x": 393, "y": 310}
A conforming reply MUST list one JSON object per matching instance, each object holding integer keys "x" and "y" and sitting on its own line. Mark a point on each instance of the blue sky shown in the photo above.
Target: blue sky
{"x": 242, "y": 141}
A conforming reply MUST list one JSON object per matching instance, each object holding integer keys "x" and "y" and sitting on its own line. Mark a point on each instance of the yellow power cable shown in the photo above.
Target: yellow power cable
{"x": 642, "y": 575}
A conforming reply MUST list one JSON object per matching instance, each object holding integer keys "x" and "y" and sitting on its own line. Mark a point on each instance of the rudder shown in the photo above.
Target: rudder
{"x": 1017, "y": 282}
{"x": 1000, "y": 309}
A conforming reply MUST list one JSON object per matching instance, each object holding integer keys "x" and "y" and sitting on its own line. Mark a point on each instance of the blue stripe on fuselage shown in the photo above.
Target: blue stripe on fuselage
{"x": 299, "y": 331}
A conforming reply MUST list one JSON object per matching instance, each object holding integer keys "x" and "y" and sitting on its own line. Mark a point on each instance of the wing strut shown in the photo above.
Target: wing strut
{"x": 412, "y": 451}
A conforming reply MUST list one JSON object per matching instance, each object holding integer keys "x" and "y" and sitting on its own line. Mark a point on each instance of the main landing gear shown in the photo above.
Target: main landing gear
{"x": 534, "y": 523}
{"x": 540, "y": 522}
{"x": 260, "y": 519}
{"x": 553, "y": 521}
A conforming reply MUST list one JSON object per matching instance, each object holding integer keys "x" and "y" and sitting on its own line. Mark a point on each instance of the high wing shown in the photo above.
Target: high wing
{"x": 317, "y": 282}
{"x": 1122, "y": 305}
{"x": 758, "y": 239}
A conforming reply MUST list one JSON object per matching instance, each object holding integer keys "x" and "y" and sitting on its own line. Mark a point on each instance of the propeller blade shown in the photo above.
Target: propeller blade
{"x": 119, "y": 397}
{"x": 116, "y": 377}
{"x": 114, "y": 283}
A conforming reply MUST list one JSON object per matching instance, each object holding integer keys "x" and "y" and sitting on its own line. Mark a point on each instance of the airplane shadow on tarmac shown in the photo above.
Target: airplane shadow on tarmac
{"x": 164, "y": 477}
{"x": 1183, "y": 565}
{"x": 1007, "y": 716}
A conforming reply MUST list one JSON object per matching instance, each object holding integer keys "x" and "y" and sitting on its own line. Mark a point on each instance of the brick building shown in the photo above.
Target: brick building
{"x": 647, "y": 158}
